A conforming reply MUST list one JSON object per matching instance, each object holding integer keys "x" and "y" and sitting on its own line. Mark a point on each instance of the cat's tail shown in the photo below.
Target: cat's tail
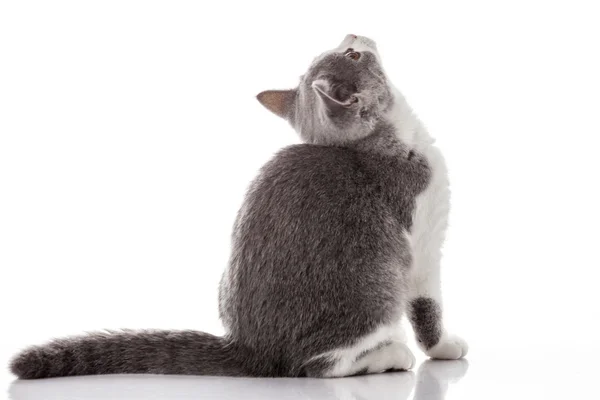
{"x": 133, "y": 352}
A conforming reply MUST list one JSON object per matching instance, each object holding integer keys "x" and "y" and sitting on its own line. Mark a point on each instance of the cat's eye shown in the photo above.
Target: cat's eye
{"x": 350, "y": 53}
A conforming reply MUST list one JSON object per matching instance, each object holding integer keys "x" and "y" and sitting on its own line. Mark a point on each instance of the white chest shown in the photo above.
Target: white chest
{"x": 430, "y": 217}
{"x": 432, "y": 206}
{"x": 428, "y": 231}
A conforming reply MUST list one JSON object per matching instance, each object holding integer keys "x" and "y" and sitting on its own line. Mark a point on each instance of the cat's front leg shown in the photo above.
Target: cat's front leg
{"x": 425, "y": 313}
{"x": 427, "y": 235}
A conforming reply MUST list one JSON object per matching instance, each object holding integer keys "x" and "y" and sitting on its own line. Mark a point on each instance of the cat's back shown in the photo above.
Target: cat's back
{"x": 327, "y": 198}
{"x": 319, "y": 169}
{"x": 307, "y": 177}
{"x": 319, "y": 184}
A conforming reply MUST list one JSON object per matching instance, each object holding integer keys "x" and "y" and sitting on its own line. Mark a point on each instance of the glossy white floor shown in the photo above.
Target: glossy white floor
{"x": 503, "y": 375}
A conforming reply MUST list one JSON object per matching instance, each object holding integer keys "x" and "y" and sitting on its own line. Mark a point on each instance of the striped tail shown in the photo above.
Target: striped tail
{"x": 133, "y": 352}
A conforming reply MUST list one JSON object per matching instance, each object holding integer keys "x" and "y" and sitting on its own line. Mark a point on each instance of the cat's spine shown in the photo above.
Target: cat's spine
{"x": 133, "y": 352}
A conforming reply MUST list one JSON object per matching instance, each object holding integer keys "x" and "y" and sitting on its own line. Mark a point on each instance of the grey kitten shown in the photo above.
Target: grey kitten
{"x": 320, "y": 269}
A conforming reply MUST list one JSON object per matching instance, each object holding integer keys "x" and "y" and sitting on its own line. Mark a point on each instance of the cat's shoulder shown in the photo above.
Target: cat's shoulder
{"x": 308, "y": 162}
{"x": 313, "y": 155}
{"x": 313, "y": 150}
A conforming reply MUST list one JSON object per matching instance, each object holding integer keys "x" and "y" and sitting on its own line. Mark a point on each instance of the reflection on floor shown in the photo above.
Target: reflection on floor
{"x": 431, "y": 383}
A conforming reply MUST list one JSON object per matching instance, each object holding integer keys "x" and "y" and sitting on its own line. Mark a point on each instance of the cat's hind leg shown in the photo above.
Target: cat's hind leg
{"x": 389, "y": 356}
{"x": 377, "y": 352}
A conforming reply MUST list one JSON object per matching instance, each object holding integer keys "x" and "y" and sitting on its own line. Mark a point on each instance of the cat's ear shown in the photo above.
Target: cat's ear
{"x": 279, "y": 102}
{"x": 332, "y": 100}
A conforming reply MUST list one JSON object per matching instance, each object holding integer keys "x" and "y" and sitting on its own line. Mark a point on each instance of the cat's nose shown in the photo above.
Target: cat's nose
{"x": 353, "y": 36}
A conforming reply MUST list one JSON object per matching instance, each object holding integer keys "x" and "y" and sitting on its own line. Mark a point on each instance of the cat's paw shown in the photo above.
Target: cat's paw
{"x": 403, "y": 358}
{"x": 393, "y": 357}
{"x": 449, "y": 348}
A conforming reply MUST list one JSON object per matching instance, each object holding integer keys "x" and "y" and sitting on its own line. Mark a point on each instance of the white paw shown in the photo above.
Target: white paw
{"x": 403, "y": 358}
{"x": 393, "y": 357}
{"x": 449, "y": 348}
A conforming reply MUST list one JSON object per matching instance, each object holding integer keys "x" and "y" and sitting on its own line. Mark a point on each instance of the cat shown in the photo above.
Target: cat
{"x": 337, "y": 239}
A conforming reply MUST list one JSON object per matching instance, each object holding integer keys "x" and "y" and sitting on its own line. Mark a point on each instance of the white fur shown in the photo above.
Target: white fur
{"x": 359, "y": 44}
{"x": 430, "y": 220}
{"x": 346, "y": 360}
{"x": 450, "y": 347}
{"x": 396, "y": 355}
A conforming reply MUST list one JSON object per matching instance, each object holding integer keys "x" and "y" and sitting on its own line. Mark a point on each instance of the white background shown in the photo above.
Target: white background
{"x": 129, "y": 132}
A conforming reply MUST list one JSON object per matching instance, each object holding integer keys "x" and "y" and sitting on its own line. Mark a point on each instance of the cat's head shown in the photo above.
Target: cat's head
{"x": 341, "y": 96}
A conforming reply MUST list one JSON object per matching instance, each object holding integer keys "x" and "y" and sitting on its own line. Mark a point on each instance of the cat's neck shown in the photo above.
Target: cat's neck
{"x": 383, "y": 140}
{"x": 398, "y": 132}
{"x": 409, "y": 128}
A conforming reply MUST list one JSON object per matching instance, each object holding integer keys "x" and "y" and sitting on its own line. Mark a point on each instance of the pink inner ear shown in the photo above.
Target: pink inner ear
{"x": 278, "y": 102}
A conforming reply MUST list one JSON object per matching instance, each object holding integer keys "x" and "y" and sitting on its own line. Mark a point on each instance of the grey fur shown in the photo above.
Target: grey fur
{"x": 319, "y": 256}
{"x": 319, "y": 253}
{"x": 152, "y": 352}
{"x": 318, "y": 121}
{"x": 426, "y": 317}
